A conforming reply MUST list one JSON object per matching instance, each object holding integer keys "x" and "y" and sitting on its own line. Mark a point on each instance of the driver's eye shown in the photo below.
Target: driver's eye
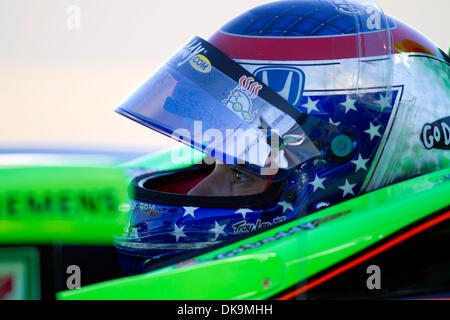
{"x": 239, "y": 177}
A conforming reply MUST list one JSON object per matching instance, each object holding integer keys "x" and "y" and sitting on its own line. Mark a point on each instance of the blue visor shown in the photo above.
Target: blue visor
{"x": 206, "y": 100}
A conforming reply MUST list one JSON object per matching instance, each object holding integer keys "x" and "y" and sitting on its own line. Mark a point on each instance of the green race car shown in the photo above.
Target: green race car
{"x": 67, "y": 215}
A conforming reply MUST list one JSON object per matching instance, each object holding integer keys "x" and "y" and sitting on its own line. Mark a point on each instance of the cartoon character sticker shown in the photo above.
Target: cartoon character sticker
{"x": 240, "y": 99}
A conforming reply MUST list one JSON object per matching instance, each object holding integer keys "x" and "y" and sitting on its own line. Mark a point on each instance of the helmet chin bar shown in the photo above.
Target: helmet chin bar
{"x": 147, "y": 189}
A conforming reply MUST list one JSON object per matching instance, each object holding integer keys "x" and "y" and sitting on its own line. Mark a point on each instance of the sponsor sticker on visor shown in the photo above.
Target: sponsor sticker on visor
{"x": 201, "y": 63}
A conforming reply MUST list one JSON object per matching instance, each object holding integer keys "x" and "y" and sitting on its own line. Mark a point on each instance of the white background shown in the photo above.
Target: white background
{"x": 59, "y": 86}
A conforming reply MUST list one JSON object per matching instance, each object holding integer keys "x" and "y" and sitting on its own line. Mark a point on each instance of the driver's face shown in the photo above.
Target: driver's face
{"x": 228, "y": 181}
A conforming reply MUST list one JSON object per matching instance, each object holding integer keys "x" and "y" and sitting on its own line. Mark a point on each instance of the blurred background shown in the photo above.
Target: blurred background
{"x": 66, "y": 65}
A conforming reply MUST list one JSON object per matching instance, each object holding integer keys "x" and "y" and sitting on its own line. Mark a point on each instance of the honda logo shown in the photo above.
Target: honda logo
{"x": 288, "y": 82}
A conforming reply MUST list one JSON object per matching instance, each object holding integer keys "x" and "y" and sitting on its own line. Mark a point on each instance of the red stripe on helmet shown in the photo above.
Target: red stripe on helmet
{"x": 301, "y": 49}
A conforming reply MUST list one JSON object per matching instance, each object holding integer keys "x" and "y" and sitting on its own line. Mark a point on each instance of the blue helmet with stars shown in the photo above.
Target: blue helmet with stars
{"x": 326, "y": 99}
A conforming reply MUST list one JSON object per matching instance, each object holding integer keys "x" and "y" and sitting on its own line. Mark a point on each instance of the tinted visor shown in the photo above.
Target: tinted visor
{"x": 204, "y": 99}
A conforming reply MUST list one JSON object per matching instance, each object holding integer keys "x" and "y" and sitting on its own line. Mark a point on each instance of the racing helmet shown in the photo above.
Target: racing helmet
{"x": 325, "y": 99}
